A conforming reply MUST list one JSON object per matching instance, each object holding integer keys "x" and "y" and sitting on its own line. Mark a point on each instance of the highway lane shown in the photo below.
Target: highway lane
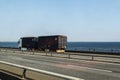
{"x": 88, "y": 70}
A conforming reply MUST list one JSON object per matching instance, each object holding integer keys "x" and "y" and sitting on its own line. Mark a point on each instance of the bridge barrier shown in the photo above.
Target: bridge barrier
{"x": 29, "y": 73}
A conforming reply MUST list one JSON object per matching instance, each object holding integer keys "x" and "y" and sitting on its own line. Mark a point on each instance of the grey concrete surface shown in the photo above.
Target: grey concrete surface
{"x": 88, "y": 70}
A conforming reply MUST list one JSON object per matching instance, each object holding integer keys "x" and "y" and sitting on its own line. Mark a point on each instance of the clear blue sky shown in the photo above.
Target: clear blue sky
{"x": 80, "y": 20}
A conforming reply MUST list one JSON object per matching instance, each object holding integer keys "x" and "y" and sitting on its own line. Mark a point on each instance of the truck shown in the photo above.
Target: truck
{"x": 27, "y": 43}
{"x": 56, "y": 43}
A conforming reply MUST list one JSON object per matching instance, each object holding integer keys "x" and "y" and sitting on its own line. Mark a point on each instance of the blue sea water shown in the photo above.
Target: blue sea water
{"x": 94, "y": 46}
{"x": 115, "y": 45}
{"x": 9, "y": 44}
{"x": 80, "y": 46}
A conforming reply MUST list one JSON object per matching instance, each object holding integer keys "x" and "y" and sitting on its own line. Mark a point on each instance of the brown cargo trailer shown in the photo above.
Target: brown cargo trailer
{"x": 53, "y": 43}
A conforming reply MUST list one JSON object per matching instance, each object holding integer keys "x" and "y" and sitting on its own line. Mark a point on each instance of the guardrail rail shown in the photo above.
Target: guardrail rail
{"x": 29, "y": 73}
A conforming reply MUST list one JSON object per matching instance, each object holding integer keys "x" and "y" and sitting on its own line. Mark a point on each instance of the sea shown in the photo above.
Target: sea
{"x": 113, "y": 47}
{"x": 80, "y": 46}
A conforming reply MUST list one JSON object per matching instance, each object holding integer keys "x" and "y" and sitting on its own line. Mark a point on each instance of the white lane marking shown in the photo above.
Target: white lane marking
{"x": 42, "y": 71}
{"x": 74, "y": 66}
{"x": 81, "y": 68}
{"x": 103, "y": 63}
{"x": 15, "y": 58}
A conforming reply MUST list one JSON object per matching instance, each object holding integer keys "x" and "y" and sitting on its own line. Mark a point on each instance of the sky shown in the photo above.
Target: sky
{"x": 79, "y": 20}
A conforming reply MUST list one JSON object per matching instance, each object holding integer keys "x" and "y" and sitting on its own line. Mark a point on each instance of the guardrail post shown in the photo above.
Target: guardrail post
{"x": 69, "y": 56}
{"x": 24, "y": 74}
{"x": 22, "y": 51}
{"x": 13, "y": 51}
{"x": 92, "y": 58}
{"x": 46, "y": 53}
{"x": 6, "y": 50}
{"x": 51, "y": 53}
{"x": 33, "y": 52}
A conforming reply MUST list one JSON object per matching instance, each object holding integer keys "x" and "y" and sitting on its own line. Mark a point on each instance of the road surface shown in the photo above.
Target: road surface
{"x": 87, "y": 70}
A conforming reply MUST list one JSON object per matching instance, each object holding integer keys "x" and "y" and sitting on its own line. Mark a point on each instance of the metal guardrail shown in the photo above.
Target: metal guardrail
{"x": 94, "y": 55}
{"x": 70, "y": 55}
{"x": 28, "y": 73}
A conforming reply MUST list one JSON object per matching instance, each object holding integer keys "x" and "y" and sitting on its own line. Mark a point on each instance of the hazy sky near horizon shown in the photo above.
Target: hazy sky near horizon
{"x": 79, "y": 20}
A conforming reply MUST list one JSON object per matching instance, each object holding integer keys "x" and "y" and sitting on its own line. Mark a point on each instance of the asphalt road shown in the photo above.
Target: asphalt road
{"x": 88, "y": 70}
